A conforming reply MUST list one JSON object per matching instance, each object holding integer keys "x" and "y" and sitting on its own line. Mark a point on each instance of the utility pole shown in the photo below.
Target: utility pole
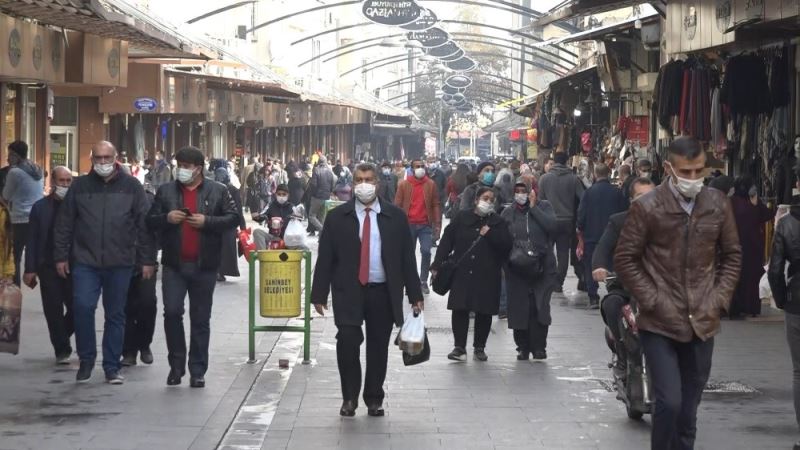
{"x": 411, "y": 74}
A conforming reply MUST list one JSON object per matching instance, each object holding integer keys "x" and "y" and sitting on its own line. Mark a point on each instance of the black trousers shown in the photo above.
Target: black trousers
{"x": 679, "y": 373}
{"x": 564, "y": 241}
{"x": 140, "y": 314}
{"x": 20, "y": 241}
{"x": 460, "y": 323}
{"x": 57, "y": 307}
{"x": 379, "y": 323}
{"x": 534, "y": 338}
{"x": 199, "y": 284}
{"x": 612, "y": 313}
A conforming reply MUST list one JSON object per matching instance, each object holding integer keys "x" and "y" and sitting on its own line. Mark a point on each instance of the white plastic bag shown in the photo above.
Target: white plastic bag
{"x": 412, "y": 335}
{"x": 295, "y": 236}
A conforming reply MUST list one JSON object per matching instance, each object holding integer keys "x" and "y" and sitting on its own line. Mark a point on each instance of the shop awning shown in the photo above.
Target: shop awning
{"x": 575, "y": 8}
{"x": 508, "y": 123}
{"x": 111, "y": 19}
{"x": 587, "y": 75}
{"x": 602, "y": 31}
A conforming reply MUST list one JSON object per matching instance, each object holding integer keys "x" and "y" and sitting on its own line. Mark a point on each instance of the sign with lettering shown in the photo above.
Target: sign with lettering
{"x": 145, "y": 104}
{"x": 447, "y": 49}
{"x": 722, "y": 12}
{"x": 426, "y": 20}
{"x": 391, "y": 12}
{"x": 433, "y": 37}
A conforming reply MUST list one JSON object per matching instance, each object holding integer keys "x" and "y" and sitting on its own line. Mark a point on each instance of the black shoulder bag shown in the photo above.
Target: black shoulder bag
{"x": 444, "y": 276}
{"x": 526, "y": 259}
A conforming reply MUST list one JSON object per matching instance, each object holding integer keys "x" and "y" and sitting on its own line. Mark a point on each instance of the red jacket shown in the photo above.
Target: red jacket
{"x": 431, "y": 196}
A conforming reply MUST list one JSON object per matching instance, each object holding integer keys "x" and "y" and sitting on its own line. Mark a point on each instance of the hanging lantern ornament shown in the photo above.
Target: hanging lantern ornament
{"x": 447, "y": 49}
{"x": 430, "y": 38}
{"x": 457, "y": 55}
{"x": 427, "y": 19}
{"x": 447, "y": 89}
{"x": 391, "y": 12}
{"x": 458, "y": 81}
{"x": 464, "y": 64}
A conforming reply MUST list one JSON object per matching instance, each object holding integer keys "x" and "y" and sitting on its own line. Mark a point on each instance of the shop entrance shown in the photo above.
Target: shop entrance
{"x": 64, "y": 146}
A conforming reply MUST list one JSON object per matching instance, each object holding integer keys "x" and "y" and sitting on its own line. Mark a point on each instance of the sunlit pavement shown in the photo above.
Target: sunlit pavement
{"x": 502, "y": 403}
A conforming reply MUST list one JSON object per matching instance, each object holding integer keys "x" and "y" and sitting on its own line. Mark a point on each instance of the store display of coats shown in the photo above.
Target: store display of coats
{"x": 667, "y": 93}
{"x": 745, "y": 89}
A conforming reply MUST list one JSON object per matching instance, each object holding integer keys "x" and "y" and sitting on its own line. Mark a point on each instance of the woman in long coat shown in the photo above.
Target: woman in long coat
{"x": 229, "y": 256}
{"x": 476, "y": 283}
{"x": 751, "y": 214}
{"x": 534, "y": 220}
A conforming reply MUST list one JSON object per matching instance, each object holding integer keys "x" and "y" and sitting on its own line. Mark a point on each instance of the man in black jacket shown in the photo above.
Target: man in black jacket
{"x": 387, "y": 184}
{"x": 366, "y": 253}
{"x": 191, "y": 215}
{"x": 321, "y": 186}
{"x": 56, "y": 291}
{"x": 100, "y": 236}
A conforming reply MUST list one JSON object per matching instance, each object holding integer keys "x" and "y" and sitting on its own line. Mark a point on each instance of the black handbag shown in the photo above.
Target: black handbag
{"x": 526, "y": 259}
{"x": 443, "y": 280}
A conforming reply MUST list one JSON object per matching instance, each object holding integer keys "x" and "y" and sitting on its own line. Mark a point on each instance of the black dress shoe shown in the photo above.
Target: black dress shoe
{"x": 146, "y": 356}
{"x": 375, "y": 410}
{"x": 348, "y": 408}
{"x": 523, "y": 355}
{"x": 198, "y": 382}
{"x": 174, "y": 378}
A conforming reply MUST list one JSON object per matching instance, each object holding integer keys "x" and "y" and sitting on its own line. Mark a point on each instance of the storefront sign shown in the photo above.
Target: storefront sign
{"x": 426, "y": 20}
{"x": 433, "y": 37}
{"x": 113, "y": 63}
{"x": 391, "y": 12}
{"x": 754, "y": 9}
{"x": 37, "y": 52}
{"x": 14, "y": 47}
{"x": 145, "y": 104}
{"x": 447, "y": 49}
{"x": 464, "y": 64}
{"x": 722, "y": 12}
{"x": 690, "y": 22}
{"x": 458, "y": 81}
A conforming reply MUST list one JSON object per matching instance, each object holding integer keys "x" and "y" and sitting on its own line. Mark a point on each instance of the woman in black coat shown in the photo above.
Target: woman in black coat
{"x": 529, "y": 297}
{"x": 476, "y": 283}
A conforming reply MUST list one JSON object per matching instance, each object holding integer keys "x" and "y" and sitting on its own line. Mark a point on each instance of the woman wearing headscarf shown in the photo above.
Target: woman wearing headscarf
{"x": 531, "y": 222}
{"x": 229, "y": 257}
{"x": 751, "y": 214}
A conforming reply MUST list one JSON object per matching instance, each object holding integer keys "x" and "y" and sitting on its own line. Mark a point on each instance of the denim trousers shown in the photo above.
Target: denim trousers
{"x": 423, "y": 233}
{"x": 88, "y": 283}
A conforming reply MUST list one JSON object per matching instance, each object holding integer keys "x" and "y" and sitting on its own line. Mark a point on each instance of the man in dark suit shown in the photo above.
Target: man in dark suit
{"x": 366, "y": 253}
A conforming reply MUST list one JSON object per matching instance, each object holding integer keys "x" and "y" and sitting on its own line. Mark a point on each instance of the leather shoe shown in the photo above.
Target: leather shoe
{"x": 174, "y": 378}
{"x": 375, "y": 410}
{"x": 198, "y": 382}
{"x": 348, "y": 408}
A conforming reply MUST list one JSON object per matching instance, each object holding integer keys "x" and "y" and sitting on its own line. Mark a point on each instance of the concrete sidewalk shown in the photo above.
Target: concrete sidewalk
{"x": 561, "y": 403}
{"x": 42, "y": 407}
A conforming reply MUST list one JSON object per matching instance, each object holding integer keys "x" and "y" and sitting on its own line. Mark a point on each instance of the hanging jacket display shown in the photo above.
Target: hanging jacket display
{"x": 746, "y": 89}
{"x": 667, "y": 93}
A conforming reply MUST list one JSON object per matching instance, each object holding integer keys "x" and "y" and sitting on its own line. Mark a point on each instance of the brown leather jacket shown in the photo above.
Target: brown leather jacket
{"x": 432, "y": 204}
{"x": 681, "y": 270}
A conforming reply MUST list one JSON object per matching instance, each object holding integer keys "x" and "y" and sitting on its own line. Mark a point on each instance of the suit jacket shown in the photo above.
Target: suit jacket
{"x": 339, "y": 258}
{"x": 40, "y": 246}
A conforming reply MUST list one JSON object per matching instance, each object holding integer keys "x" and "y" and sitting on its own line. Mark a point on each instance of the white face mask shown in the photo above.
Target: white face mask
{"x": 104, "y": 170}
{"x": 387, "y": 172}
{"x": 61, "y": 191}
{"x": 485, "y": 208}
{"x": 365, "y": 192}
{"x": 419, "y": 172}
{"x": 688, "y": 188}
{"x": 521, "y": 199}
{"x": 281, "y": 199}
{"x": 646, "y": 175}
{"x": 184, "y": 175}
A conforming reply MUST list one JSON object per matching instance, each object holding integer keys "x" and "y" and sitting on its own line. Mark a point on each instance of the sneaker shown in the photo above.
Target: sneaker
{"x": 128, "y": 359}
{"x": 146, "y": 356}
{"x": 62, "y": 359}
{"x": 594, "y": 303}
{"x": 425, "y": 289}
{"x": 523, "y": 355}
{"x": 540, "y": 355}
{"x": 84, "y": 371}
{"x": 458, "y": 354}
{"x": 479, "y": 355}
{"x": 114, "y": 378}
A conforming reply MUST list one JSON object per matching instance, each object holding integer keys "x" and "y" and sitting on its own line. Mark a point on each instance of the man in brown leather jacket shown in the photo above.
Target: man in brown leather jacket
{"x": 679, "y": 257}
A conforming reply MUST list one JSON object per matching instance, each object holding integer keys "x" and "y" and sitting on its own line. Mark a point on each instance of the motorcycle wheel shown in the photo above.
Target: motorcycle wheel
{"x": 633, "y": 414}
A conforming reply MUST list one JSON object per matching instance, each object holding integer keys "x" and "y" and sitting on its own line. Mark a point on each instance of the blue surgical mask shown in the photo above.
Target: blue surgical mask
{"x": 488, "y": 178}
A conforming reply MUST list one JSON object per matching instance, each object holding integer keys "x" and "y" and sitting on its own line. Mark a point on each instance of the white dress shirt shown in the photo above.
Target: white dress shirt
{"x": 376, "y": 271}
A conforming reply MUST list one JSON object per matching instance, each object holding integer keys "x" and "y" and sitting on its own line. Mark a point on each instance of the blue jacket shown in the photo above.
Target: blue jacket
{"x": 598, "y": 204}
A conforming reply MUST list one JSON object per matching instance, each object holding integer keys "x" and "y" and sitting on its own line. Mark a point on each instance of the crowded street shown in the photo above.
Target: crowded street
{"x": 399, "y": 224}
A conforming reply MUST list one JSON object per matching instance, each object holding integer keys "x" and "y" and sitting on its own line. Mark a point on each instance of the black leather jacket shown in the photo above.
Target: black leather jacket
{"x": 786, "y": 248}
{"x": 214, "y": 201}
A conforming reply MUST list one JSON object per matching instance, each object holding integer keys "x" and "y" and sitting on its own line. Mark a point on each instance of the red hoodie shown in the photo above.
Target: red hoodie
{"x": 417, "y": 212}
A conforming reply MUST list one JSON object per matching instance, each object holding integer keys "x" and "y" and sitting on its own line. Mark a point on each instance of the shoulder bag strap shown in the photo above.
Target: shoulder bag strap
{"x": 471, "y": 247}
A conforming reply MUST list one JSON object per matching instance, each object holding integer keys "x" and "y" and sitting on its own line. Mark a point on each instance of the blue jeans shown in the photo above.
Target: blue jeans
{"x": 87, "y": 284}
{"x": 425, "y": 235}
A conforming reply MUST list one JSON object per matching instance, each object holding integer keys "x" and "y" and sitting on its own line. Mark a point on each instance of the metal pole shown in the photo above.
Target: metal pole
{"x": 411, "y": 72}
{"x": 441, "y": 133}
{"x": 251, "y": 333}
{"x": 307, "y": 332}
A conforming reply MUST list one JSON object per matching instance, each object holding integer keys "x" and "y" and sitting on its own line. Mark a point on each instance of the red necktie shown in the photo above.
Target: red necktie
{"x": 363, "y": 267}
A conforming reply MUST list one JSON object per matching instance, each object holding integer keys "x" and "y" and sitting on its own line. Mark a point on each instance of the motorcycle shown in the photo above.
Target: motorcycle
{"x": 631, "y": 379}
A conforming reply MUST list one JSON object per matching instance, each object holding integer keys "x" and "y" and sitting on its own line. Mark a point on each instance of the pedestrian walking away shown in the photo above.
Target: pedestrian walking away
{"x": 191, "y": 215}
{"x": 600, "y": 201}
{"x": 680, "y": 299}
{"x": 366, "y": 254}
{"x": 563, "y": 189}
{"x": 321, "y": 186}
{"x": 418, "y": 197}
{"x": 476, "y": 282}
{"x": 229, "y": 258}
{"x": 532, "y": 223}
{"x": 56, "y": 292}
{"x": 100, "y": 237}
{"x": 23, "y": 187}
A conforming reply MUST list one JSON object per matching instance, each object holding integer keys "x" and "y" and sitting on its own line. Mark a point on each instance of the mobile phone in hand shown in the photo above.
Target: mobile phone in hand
{"x": 186, "y": 211}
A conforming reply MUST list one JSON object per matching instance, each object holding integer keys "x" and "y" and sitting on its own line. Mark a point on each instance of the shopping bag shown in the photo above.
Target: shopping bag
{"x": 246, "y": 243}
{"x": 412, "y": 335}
{"x": 10, "y": 318}
{"x": 295, "y": 235}
{"x": 421, "y": 357}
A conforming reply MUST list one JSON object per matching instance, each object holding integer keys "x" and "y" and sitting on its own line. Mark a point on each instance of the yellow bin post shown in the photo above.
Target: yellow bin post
{"x": 280, "y": 285}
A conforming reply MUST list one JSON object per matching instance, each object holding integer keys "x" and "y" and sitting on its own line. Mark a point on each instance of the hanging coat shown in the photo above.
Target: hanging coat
{"x": 476, "y": 284}
{"x": 538, "y": 224}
